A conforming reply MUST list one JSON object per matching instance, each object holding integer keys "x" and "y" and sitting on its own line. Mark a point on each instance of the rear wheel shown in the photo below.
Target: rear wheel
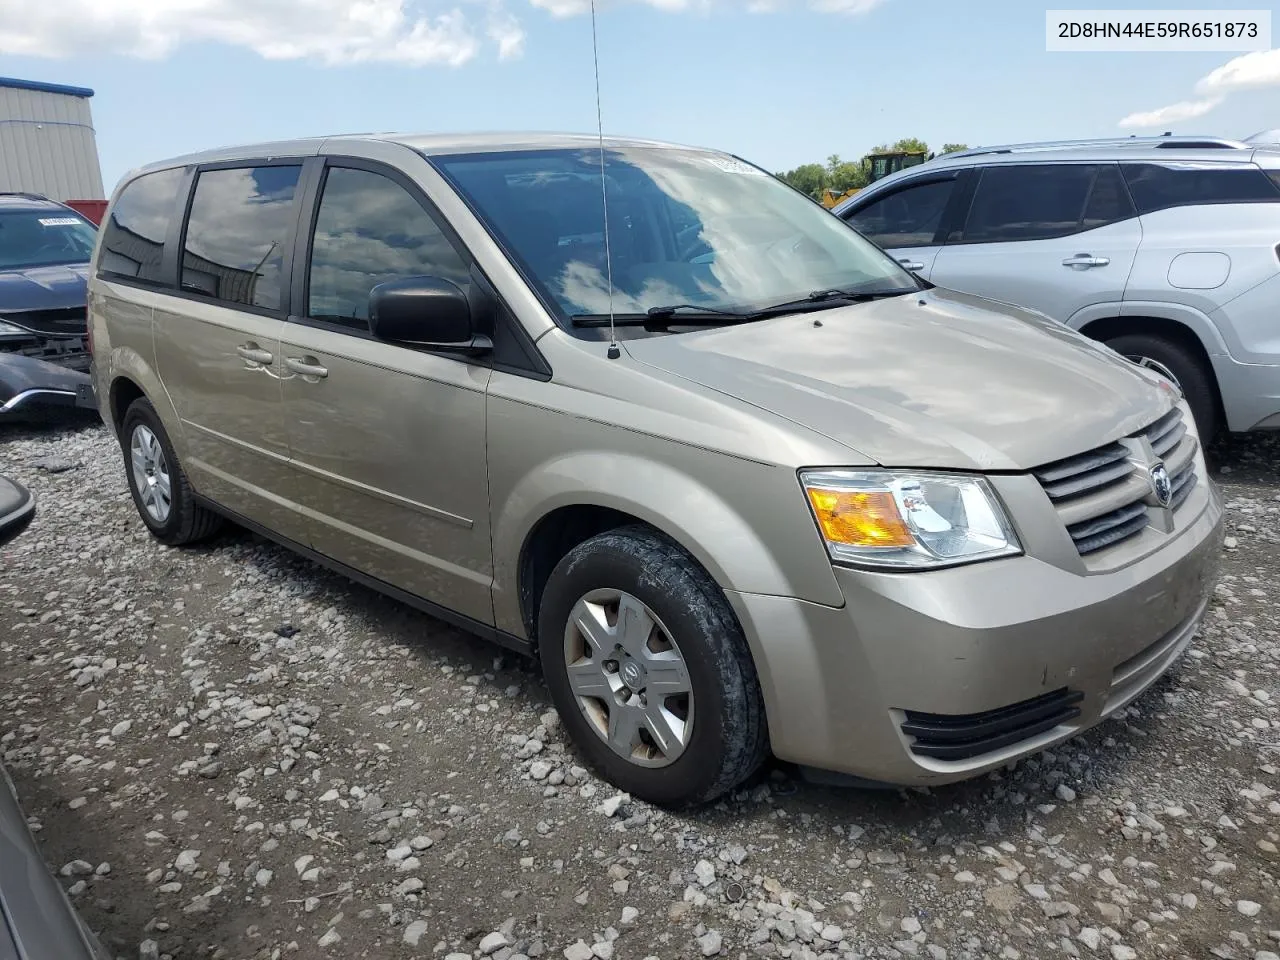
{"x": 649, "y": 669}
{"x": 1174, "y": 361}
{"x": 159, "y": 486}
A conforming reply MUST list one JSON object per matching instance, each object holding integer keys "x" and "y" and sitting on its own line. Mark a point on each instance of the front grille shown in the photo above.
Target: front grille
{"x": 1102, "y": 495}
{"x": 949, "y": 736}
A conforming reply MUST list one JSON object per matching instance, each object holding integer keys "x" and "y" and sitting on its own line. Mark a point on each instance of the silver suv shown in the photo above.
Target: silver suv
{"x": 804, "y": 503}
{"x": 1164, "y": 248}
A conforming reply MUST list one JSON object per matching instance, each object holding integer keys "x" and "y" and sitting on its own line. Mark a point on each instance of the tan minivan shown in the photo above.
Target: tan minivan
{"x": 799, "y": 501}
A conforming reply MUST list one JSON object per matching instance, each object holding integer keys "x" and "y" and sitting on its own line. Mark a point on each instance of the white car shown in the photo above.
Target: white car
{"x": 1164, "y": 248}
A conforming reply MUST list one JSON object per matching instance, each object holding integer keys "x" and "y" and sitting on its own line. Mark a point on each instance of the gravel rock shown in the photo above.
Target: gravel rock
{"x": 318, "y": 727}
{"x": 415, "y": 932}
{"x": 709, "y": 943}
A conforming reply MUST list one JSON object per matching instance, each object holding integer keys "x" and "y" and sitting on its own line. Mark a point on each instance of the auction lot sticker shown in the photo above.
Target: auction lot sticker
{"x": 1158, "y": 31}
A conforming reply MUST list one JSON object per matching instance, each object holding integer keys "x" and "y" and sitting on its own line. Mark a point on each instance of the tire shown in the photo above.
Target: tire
{"x": 725, "y": 737}
{"x": 1188, "y": 370}
{"x": 184, "y": 521}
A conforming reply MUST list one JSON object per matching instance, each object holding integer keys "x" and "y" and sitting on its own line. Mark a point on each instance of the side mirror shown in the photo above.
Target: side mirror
{"x": 17, "y": 507}
{"x": 425, "y": 312}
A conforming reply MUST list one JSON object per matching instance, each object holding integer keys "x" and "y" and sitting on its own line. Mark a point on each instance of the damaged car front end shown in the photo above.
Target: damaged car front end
{"x": 44, "y": 355}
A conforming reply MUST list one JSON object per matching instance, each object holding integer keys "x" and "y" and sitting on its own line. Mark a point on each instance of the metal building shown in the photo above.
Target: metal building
{"x": 47, "y": 144}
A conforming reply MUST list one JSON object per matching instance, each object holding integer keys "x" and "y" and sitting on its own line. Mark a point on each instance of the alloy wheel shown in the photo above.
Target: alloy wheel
{"x": 151, "y": 473}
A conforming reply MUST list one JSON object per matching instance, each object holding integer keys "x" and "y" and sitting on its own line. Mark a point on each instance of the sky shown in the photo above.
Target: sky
{"x": 779, "y": 82}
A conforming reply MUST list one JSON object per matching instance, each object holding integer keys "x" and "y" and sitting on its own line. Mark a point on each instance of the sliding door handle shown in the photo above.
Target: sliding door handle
{"x": 307, "y": 367}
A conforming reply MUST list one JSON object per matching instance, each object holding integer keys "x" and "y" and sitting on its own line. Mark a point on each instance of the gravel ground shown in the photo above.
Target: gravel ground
{"x": 229, "y": 752}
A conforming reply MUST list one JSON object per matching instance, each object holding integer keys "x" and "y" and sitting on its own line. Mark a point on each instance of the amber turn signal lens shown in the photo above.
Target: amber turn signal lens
{"x": 859, "y": 518}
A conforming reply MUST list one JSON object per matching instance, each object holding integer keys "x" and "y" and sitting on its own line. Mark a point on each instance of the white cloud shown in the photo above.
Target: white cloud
{"x": 332, "y": 32}
{"x": 505, "y": 31}
{"x": 329, "y": 31}
{"x": 848, "y": 7}
{"x": 1174, "y": 113}
{"x": 1251, "y": 70}
{"x": 1258, "y": 69}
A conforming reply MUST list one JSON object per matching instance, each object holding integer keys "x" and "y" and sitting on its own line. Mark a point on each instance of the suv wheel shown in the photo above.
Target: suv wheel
{"x": 649, "y": 669}
{"x": 158, "y": 484}
{"x": 1175, "y": 362}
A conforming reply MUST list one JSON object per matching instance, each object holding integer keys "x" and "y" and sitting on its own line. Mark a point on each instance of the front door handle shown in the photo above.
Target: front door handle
{"x": 307, "y": 367}
{"x": 254, "y": 355}
{"x": 1085, "y": 260}
{"x": 911, "y": 264}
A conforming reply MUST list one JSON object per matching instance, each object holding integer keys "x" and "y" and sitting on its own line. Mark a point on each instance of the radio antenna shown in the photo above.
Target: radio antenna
{"x": 614, "y": 352}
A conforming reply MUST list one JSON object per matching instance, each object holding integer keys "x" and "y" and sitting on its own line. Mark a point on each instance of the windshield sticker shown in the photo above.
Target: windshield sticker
{"x": 730, "y": 165}
{"x": 59, "y": 221}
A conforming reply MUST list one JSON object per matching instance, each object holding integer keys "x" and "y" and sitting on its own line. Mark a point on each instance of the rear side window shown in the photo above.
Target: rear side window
{"x": 133, "y": 236}
{"x": 1041, "y": 201}
{"x": 369, "y": 230}
{"x": 905, "y": 218}
{"x": 1158, "y": 186}
{"x": 236, "y": 234}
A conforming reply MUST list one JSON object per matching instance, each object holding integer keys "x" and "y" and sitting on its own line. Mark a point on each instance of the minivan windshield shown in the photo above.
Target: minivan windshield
{"x": 42, "y": 238}
{"x": 701, "y": 231}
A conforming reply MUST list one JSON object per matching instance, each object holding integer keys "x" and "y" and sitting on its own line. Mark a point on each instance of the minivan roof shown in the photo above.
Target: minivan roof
{"x": 430, "y": 144}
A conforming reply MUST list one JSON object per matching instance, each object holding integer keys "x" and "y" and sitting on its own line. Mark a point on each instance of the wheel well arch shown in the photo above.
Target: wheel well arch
{"x": 551, "y": 539}
{"x": 123, "y": 393}
{"x": 1108, "y": 328}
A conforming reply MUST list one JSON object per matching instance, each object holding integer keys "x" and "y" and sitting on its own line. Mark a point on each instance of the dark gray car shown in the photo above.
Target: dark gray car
{"x": 37, "y": 922}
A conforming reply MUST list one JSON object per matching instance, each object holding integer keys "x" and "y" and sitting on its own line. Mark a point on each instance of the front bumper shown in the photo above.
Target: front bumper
{"x": 27, "y": 384}
{"x": 946, "y": 653}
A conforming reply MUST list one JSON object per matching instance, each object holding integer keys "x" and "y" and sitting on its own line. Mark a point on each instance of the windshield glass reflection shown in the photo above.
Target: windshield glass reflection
{"x": 685, "y": 226}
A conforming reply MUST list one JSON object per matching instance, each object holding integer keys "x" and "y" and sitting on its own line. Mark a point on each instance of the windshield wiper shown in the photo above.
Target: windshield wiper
{"x": 694, "y": 314}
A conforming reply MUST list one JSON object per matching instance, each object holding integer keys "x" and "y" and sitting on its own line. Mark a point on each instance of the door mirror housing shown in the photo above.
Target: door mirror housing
{"x": 425, "y": 312}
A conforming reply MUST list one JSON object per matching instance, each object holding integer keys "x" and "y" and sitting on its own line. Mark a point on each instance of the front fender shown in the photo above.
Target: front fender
{"x": 779, "y": 554}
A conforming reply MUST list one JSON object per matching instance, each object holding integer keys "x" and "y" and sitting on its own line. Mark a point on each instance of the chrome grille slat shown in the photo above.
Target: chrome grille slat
{"x": 1101, "y": 495}
{"x": 1169, "y": 440}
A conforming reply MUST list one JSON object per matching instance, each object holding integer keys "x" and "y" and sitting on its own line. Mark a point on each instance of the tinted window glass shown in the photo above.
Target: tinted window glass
{"x": 1108, "y": 200}
{"x": 907, "y": 217}
{"x": 370, "y": 230}
{"x": 1028, "y": 202}
{"x": 1158, "y": 186}
{"x": 133, "y": 236}
{"x": 236, "y": 234}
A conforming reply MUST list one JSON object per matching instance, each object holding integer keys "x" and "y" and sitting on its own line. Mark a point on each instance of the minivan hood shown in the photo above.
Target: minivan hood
{"x": 55, "y": 287}
{"x": 934, "y": 379}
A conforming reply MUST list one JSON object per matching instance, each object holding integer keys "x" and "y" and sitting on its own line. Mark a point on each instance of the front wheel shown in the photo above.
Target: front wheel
{"x": 1175, "y": 362}
{"x": 649, "y": 669}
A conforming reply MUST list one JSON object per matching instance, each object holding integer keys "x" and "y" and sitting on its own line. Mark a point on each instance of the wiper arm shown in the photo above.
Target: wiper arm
{"x": 658, "y": 318}
{"x": 694, "y": 314}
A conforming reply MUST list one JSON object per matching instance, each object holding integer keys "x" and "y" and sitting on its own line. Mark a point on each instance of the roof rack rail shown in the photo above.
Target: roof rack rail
{"x": 26, "y": 195}
{"x": 1166, "y": 143}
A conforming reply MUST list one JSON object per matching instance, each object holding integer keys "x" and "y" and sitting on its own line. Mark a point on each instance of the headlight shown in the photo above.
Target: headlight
{"x": 908, "y": 521}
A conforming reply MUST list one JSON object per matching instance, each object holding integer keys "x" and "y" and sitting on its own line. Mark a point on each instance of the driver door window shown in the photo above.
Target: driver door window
{"x": 369, "y": 230}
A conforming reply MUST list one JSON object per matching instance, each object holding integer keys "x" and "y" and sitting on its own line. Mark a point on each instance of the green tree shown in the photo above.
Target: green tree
{"x": 847, "y": 175}
{"x": 810, "y": 178}
{"x": 905, "y": 145}
{"x": 954, "y": 147}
